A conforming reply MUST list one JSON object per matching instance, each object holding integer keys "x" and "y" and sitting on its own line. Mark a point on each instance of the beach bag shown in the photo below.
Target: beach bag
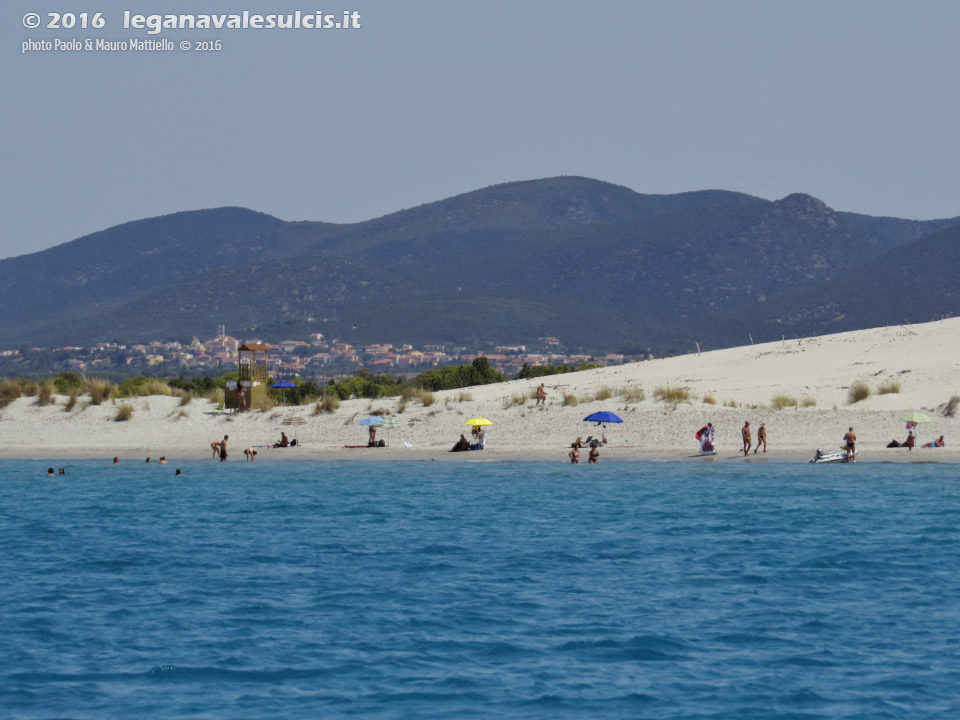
{"x": 701, "y": 431}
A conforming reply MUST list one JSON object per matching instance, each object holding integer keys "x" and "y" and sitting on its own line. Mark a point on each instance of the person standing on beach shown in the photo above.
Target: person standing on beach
{"x": 372, "y": 436}
{"x": 747, "y": 439}
{"x": 850, "y": 445}
{"x": 761, "y": 438}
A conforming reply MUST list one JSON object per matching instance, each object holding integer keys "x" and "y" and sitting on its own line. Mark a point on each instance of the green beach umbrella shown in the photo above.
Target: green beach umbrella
{"x": 916, "y": 417}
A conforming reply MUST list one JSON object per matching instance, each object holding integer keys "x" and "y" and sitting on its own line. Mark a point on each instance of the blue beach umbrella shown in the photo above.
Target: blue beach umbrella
{"x": 374, "y": 420}
{"x": 283, "y": 385}
{"x": 602, "y": 417}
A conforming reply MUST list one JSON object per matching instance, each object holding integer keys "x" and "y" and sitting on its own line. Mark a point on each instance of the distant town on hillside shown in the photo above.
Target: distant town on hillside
{"x": 312, "y": 357}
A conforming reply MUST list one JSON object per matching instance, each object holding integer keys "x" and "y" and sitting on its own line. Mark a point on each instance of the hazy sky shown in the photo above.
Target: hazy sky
{"x": 854, "y": 102}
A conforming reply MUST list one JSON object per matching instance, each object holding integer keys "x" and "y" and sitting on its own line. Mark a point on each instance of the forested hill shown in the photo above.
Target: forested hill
{"x": 597, "y": 265}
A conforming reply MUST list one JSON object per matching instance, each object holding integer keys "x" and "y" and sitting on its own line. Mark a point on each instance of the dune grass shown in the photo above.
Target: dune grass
{"x": 99, "y": 390}
{"x": 515, "y": 400}
{"x": 9, "y": 391}
{"x": 672, "y": 395}
{"x": 329, "y": 403}
{"x": 891, "y": 387}
{"x": 71, "y": 402}
{"x": 779, "y": 402}
{"x": 464, "y": 396}
{"x": 807, "y": 401}
{"x": 951, "y": 409}
{"x": 709, "y": 400}
{"x": 124, "y": 413}
{"x": 633, "y": 394}
{"x": 569, "y": 400}
{"x": 603, "y": 393}
{"x": 857, "y": 392}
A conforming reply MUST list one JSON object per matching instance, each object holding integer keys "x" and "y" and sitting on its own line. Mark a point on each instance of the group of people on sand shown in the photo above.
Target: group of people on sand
{"x": 707, "y": 436}
{"x": 219, "y": 447}
{"x": 480, "y": 440}
{"x": 748, "y": 441}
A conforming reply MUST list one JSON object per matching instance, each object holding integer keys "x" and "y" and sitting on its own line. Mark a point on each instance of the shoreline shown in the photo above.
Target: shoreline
{"x": 726, "y": 387}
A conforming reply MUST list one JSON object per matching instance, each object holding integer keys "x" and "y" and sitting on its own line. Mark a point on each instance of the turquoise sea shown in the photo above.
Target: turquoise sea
{"x": 479, "y": 590}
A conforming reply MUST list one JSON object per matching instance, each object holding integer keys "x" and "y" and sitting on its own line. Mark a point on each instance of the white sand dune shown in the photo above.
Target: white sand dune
{"x": 923, "y": 359}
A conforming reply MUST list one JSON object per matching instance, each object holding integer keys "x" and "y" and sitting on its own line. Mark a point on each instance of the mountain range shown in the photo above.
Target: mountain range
{"x": 596, "y": 265}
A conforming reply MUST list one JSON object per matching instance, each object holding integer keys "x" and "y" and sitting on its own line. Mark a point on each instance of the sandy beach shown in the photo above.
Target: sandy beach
{"x": 726, "y": 387}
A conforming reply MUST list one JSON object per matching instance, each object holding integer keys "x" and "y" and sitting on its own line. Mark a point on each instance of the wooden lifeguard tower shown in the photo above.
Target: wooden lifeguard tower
{"x": 253, "y": 378}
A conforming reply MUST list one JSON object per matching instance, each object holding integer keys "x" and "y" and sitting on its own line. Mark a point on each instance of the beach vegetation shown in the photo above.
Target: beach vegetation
{"x": 516, "y": 399}
{"x": 424, "y": 397}
{"x": 124, "y": 412}
{"x": 709, "y": 399}
{"x": 633, "y": 394}
{"x": 951, "y": 409}
{"x": 780, "y": 402}
{"x": 401, "y": 407}
{"x": 9, "y": 391}
{"x": 731, "y": 403}
{"x": 807, "y": 401}
{"x": 889, "y": 388}
{"x": 99, "y": 390}
{"x": 569, "y": 400}
{"x": 186, "y": 398}
{"x": 28, "y": 388}
{"x": 180, "y": 414}
{"x": 214, "y": 395}
{"x": 589, "y": 366}
{"x": 71, "y": 402}
{"x": 464, "y": 396}
{"x": 45, "y": 392}
{"x": 528, "y": 372}
{"x": 67, "y": 382}
{"x": 329, "y": 403}
{"x": 266, "y": 403}
{"x": 857, "y": 392}
{"x": 603, "y": 393}
{"x": 453, "y": 377}
{"x": 672, "y": 394}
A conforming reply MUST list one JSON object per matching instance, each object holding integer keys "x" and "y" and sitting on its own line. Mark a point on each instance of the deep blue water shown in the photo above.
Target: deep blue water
{"x": 515, "y": 590}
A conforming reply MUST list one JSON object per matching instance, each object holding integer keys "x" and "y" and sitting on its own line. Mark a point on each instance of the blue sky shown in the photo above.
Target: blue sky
{"x": 854, "y": 102}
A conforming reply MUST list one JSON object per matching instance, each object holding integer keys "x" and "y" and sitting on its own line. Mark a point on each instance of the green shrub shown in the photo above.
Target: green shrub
{"x": 67, "y": 383}
{"x": 857, "y": 392}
